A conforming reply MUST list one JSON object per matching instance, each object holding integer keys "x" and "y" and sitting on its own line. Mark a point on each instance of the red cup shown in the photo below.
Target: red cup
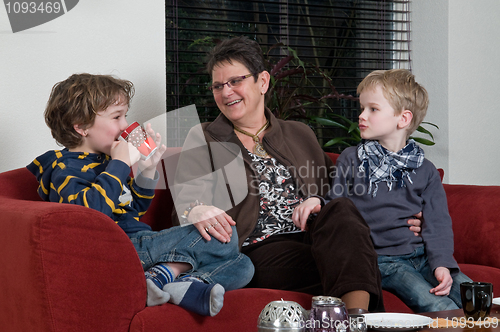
{"x": 137, "y": 135}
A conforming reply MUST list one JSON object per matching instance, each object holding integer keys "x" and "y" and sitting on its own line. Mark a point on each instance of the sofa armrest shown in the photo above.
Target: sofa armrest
{"x": 66, "y": 268}
{"x": 475, "y": 211}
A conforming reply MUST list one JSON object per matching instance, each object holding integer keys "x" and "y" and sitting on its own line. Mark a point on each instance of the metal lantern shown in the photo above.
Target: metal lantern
{"x": 282, "y": 316}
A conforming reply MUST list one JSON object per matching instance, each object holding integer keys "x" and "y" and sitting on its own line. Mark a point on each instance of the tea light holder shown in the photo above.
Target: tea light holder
{"x": 282, "y": 316}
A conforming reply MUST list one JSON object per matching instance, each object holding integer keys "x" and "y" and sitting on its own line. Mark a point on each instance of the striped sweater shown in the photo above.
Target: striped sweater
{"x": 97, "y": 182}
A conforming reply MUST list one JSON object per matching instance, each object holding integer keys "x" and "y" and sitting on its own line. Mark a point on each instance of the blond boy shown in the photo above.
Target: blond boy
{"x": 389, "y": 181}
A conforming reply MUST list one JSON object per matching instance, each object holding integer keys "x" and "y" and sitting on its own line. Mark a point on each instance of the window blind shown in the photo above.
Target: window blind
{"x": 345, "y": 39}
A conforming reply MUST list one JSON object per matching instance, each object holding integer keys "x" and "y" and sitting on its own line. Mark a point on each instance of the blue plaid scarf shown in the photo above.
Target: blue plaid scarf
{"x": 382, "y": 165}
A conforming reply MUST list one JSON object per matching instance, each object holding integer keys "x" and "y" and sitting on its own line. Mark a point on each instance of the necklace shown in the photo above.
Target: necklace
{"x": 258, "y": 149}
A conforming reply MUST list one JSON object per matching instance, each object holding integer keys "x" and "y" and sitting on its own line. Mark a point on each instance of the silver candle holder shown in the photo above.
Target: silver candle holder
{"x": 282, "y": 316}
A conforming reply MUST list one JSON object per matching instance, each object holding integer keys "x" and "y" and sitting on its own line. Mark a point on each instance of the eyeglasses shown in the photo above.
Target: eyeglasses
{"x": 232, "y": 83}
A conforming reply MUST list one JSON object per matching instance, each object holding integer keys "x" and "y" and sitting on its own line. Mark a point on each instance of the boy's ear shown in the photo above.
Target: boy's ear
{"x": 405, "y": 119}
{"x": 78, "y": 128}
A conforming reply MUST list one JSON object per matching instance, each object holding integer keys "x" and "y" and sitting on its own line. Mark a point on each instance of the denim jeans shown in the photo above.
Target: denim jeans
{"x": 410, "y": 278}
{"x": 212, "y": 261}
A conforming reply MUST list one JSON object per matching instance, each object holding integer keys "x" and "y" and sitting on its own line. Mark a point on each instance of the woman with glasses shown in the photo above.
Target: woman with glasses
{"x": 327, "y": 254}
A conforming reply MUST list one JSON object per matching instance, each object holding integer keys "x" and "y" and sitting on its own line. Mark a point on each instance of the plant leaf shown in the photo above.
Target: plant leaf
{"x": 343, "y": 118}
{"x": 328, "y": 122}
{"x": 288, "y": 73}
{"x": 423, "y": 141}
{"x": 425, "y": 131}
{"x": 431, "y": 124}
{"x": 337, "y": 95}
{"x": 294, "y": 53}
{"x": 305, "y": 97}
{"x": 281, "y": 64}
{"x": 337, "y": 140}
{"x": 353, "y": 127}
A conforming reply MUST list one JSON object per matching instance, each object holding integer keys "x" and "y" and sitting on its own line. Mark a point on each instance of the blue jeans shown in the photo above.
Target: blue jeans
{"x": 410, "y": 278}
{"x": 212, "y": 261}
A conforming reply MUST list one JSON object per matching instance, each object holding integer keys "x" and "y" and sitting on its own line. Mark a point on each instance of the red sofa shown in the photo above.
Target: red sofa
{"x": 68, "y": 268}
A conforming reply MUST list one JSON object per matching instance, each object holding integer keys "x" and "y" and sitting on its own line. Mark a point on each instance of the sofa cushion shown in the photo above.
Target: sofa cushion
{"x": 240, "y": 313}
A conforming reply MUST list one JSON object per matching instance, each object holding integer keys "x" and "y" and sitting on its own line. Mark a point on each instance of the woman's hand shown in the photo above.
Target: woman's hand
{"x": 303, "y": 210}
{"x": 210, "y": 220}
{"x": 416, "y": 224}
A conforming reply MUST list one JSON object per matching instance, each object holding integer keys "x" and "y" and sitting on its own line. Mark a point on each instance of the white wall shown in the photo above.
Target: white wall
{"x": 430, "y": 65}
{"x": 455, "y": 56}
{"x": 474, "y": 83}
{"x": 124, "y": 38}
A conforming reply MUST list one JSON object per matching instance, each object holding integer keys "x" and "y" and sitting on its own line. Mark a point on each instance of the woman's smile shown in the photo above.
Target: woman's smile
{"x": 234, "y": 102}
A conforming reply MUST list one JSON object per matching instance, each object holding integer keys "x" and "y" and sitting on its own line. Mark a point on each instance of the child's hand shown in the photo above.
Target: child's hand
{"x": 416, "y": 224}
{"x": 125, "y": 152}
{"x": 148, "y": 167}
{"x": 303, "y": 210}
{"x": 442, "y": 275}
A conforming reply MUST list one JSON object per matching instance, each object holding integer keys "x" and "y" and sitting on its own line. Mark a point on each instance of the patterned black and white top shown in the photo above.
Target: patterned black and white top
{"x": 278, "y": 198}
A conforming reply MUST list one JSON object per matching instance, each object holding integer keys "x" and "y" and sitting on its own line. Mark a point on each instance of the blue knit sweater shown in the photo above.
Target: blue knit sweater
{"x": 97, "y": 182}
{"x": 388, "y": 212}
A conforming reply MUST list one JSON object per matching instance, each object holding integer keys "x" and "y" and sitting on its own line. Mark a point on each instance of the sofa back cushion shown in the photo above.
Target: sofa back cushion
{"x": 19, "y": 184}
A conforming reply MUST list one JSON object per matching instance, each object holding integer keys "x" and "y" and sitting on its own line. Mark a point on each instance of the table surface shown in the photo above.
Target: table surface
{"x": 454, "y": 318}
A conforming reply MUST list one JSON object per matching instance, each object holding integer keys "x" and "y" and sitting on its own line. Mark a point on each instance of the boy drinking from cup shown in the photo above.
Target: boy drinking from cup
{"x": 86, "y": 114}
{"x": 389, "y": 180}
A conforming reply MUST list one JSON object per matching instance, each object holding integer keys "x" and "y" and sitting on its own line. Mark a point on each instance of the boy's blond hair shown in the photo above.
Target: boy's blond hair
{"x": 402, "y": 92}
{"x": 78, "y": 99}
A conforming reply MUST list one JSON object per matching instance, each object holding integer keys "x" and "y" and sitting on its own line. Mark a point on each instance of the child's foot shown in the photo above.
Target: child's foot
{"x": 157, "y": 277}
{"x": 156, "y": 296}
{"x": 196, "y": 296}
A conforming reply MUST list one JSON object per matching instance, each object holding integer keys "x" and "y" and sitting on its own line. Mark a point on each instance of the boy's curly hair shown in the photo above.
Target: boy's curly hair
{"x": 402, "y": 92}
{"x": 78, "y": 99}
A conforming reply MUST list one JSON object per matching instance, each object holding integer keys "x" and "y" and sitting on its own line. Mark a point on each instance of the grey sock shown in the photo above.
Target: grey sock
{"x": 216, "y": 299}
{"x": 156, "y": 296}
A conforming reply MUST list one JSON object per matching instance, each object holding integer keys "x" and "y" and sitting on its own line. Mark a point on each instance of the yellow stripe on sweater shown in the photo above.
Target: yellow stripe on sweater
{"x": 41, "y": 186}
{"x": 114, "y": 177}
{"x": 141, "y": 196}
{"x": 40, "y": 168}
{"x": 100, "y": 189}
{"x": 88, "y": 166}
